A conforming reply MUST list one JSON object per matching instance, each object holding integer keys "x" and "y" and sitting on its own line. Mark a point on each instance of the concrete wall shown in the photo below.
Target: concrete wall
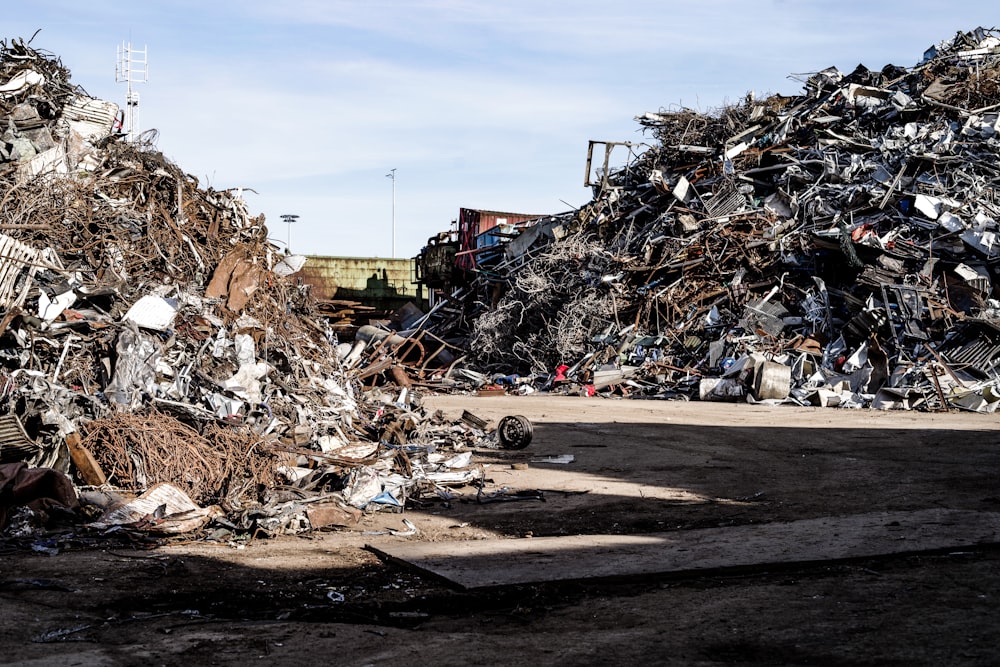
{"x": 353, "y": 277}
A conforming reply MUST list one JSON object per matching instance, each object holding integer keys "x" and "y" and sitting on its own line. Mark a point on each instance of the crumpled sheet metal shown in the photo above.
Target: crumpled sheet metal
{"x": 849, "y": 233}
{"x": 163, "y": 509}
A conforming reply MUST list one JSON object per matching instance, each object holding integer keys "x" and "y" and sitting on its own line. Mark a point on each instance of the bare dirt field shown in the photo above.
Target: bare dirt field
{"x": 639, "y": 467}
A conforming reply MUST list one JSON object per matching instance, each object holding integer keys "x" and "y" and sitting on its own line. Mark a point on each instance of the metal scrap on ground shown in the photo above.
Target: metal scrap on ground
{"x": 493, "y": 563}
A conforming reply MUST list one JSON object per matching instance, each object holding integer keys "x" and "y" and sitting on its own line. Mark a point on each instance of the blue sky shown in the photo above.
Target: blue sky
{"x": 310, "y": 103}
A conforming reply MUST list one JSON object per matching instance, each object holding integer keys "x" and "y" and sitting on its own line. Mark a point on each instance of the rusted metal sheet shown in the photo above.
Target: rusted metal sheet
{"x": 322, "y": 515}
{"x": 490, "y": 219}
{"x": 473, "y": 222}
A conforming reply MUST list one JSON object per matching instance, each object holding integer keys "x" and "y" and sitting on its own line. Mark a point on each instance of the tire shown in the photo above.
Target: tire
{"x": 514, "y": 432}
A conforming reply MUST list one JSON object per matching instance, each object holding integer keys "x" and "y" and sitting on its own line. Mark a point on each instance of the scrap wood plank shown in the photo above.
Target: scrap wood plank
{"x": 491, "y": 563}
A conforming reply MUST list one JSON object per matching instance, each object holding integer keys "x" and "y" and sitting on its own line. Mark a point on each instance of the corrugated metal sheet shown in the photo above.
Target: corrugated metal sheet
{"x": 15, "y": 445}
{"x": 377, "y": 275}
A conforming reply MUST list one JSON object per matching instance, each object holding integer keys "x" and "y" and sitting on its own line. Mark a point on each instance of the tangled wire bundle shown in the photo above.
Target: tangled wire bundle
{"x": 554, "y": 306}
{"x": 225, "y": 465}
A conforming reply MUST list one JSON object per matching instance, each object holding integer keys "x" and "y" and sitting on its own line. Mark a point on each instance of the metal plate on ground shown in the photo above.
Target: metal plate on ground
{"x": 491, "y": 563}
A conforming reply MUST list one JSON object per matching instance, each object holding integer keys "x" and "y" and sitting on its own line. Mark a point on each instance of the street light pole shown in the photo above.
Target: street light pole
{"x": 392, "y": 175}
{"x": 289, "y": 218}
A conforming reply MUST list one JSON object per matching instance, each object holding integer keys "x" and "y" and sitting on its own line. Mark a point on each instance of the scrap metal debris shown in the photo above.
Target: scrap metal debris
{"x": 153, "y": 341}
{"x": 839, "y": 247}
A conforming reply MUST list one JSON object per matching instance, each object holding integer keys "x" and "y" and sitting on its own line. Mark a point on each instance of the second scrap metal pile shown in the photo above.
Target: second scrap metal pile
{"x": 838, "y": 247}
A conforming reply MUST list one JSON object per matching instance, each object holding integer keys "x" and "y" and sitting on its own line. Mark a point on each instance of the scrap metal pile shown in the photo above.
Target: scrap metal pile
{"x": 148, "y": 334}
{"x": 838, "y": 247}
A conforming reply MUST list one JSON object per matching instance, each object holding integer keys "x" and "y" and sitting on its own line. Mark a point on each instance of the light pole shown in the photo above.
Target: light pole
{"x": 289, "y": 218}
{"x": 392, "y": 175}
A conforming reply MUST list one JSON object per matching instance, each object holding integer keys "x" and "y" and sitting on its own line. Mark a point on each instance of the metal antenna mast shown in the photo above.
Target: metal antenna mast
{"x": 131, "y": 67}
{"x": 392, "y": 175}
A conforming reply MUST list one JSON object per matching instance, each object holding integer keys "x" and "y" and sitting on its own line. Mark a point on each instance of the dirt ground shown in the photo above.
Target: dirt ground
{"x": 639, "y": 467}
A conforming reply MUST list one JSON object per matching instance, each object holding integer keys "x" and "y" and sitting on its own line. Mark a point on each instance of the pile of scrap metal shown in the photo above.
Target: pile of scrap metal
{"x": 835, "y": 248}
{"x": 151, "y": 343}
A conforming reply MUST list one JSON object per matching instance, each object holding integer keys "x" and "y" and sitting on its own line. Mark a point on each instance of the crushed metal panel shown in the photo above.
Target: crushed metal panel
{"x": 90, "y": 118}
{"x": 152, "y": 312}
{"x": 726, "y": 200}
{"x": 15, "y": 445}
{"x": 974, "y": 346}
{"x": 684, "y": 191}
{"x": 18, "y": 265}
{"x": 20, "y": 82}
{"x": 52, "y": 161}
{"x": 909, "y": 308}
{"x": 164, "y": 509}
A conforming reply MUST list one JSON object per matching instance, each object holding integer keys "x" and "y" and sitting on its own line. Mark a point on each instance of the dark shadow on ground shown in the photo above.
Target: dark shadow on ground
{"x": 732, "y": 475}
{"x": 907, "y": 609}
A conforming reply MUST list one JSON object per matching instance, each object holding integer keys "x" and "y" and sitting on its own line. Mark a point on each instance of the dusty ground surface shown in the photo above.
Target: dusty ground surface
{"x": 639, "y": 466}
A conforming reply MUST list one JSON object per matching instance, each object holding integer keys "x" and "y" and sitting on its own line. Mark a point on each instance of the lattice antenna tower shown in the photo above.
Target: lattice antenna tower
{"x": 131, "y": 67}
